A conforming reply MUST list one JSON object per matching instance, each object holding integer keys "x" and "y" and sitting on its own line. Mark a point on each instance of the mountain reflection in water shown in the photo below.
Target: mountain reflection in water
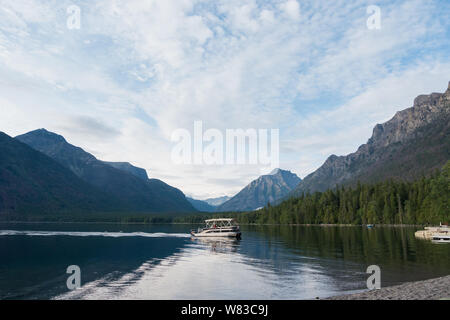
{"x": 270, "y": 262}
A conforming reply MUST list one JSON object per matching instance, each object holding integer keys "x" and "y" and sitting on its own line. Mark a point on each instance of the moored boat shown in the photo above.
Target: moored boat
{"x": 436, "y": 234}
{"x": 441, "y": 238}
{"x": 223, "y": 227}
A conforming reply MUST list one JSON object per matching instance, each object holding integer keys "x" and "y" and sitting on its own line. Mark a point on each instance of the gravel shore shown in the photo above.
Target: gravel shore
{"x": 433, "y": 289}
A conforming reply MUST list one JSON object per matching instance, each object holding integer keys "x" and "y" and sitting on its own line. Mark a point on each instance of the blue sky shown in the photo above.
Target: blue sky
{"x": 136, "y": 71}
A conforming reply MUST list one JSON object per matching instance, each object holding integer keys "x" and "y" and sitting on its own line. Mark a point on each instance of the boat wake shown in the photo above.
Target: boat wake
{"x": 92, "y": 234}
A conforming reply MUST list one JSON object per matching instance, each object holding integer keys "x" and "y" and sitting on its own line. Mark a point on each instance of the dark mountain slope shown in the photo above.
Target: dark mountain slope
{"x": 138, "y": 194}
{"x": 415, "y": 142}
{"x": 128, "y": 167}
{"x": 201, "y": 205}
{"x": 31, "y": 182}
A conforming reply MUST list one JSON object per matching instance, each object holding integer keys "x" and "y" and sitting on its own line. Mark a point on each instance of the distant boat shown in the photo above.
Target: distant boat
{"x": 370, "y": 226}
{"x": 218, "y": 228}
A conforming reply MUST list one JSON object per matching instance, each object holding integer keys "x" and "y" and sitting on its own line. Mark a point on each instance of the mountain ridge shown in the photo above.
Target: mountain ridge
{"x": 215, "y": 202}
{"x": 392, "y": 150}
{"x": 31, "y": 182}
{"x": 261, "y": 191}
{"x": 201, "y": 205}
{"x": 151, "y": 195}
{"x": 128, "y": 167}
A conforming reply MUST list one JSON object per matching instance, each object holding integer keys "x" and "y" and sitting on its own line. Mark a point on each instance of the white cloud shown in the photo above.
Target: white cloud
{"x": 291, "y": 8}
{"x": 341, "y": 130}
{"x": 138, "y": 70}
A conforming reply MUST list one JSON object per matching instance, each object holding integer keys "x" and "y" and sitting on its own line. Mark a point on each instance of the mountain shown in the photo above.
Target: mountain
{"x": 32, "y": 182}
{"x": 415, "y": 142}
{"x": 201, "y": 205}
{"x": 217, "y": 201}
{"x": 265, "y": 189}
{"x": 128, "y": 167}
{"x": 208, "y": 205}
{"x": 137, "y": 194}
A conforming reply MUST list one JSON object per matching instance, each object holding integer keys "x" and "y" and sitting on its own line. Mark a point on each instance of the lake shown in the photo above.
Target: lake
{"x": 164, "y": 262}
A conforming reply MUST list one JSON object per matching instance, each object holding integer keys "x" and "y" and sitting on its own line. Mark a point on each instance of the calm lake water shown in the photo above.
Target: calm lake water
{"x": 163, "y": 262}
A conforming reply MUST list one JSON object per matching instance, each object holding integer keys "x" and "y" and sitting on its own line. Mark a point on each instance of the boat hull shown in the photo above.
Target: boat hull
{"x": 437, "y": 238}
{"x": 226, "y": 234}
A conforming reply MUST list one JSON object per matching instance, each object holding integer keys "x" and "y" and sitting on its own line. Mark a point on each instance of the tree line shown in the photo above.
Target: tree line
{"x": 424, "y": 201}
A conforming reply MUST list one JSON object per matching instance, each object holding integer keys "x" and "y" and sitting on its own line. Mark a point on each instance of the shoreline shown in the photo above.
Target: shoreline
{"x": 432, "y": 289}
{"x": 188, "y": 223}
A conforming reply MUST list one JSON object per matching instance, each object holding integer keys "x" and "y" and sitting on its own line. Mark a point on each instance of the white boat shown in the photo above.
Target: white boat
{"x": 218, "y": 228}
{"x": 439, "y": 234}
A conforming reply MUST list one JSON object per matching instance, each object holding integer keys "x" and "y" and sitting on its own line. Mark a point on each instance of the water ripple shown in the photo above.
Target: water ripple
{"x": 93, "y": 234}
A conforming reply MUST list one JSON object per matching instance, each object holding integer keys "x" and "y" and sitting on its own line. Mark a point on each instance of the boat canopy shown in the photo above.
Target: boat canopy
{"x": 224, "y": 222}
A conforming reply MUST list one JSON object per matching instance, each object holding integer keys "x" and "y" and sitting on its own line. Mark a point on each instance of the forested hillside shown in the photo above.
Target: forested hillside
{"x": 424, "y": 201}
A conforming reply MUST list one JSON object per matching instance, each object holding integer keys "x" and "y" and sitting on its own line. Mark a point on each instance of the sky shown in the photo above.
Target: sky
{"x": 118, "y": 78}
